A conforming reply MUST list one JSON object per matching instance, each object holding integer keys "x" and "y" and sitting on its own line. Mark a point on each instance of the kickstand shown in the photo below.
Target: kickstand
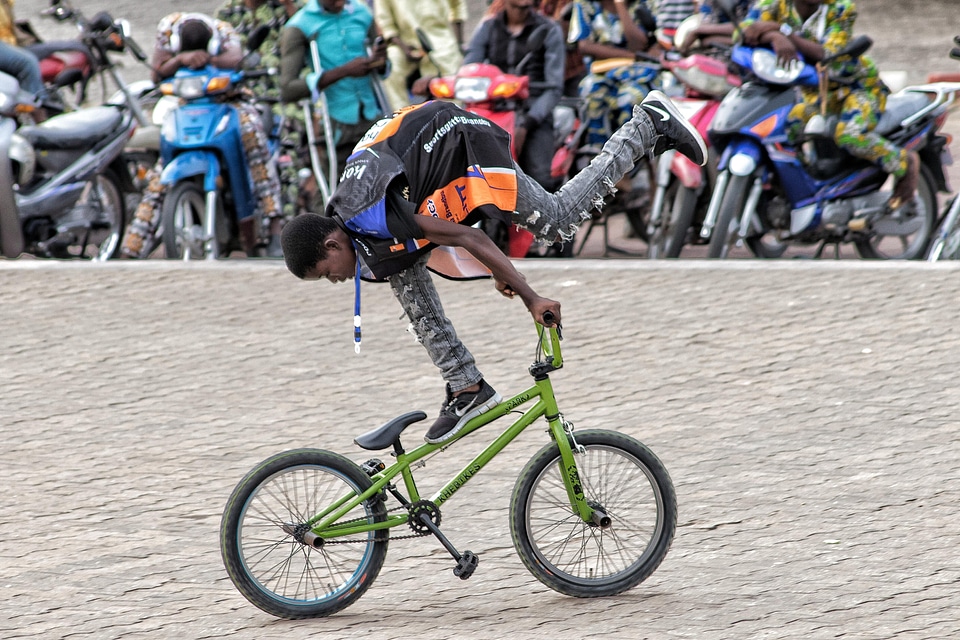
{"x": 466, "y": 561}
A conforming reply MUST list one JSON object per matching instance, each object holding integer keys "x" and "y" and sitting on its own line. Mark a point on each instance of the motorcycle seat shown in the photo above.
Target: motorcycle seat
{"x": 76, "y": 130}
{"x": 899, "y": 107}
{"x": 45, "y": 49}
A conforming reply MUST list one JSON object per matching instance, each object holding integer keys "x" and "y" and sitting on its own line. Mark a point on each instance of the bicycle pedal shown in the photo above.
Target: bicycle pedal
{"x": 466, "y": 565}
{"x": 372, "y": 467}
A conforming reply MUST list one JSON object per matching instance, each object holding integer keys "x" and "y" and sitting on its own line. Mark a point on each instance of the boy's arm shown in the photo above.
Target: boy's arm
{"x": 509, "y": 281}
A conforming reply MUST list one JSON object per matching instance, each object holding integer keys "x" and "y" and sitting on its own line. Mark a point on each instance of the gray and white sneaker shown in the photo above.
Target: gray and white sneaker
{"x": 673, "y": 130}
{"x": 458, "y": 410}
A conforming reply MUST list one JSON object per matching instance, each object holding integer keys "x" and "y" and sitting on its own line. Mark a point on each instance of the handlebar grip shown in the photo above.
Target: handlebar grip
{"x": 136, "y": 50}
{"x": 955, "y": 53}
{"x": 549, "y": 318}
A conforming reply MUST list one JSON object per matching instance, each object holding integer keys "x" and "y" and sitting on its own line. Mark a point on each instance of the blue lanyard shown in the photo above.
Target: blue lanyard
{"x": 356, "y": 311}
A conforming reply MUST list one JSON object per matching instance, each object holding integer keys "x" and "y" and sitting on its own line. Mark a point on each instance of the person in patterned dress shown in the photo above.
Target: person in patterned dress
{"x": 817, "y": 29}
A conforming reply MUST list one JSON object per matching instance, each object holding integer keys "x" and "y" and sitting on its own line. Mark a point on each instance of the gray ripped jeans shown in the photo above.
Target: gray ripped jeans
{"x": 546, "y": 215}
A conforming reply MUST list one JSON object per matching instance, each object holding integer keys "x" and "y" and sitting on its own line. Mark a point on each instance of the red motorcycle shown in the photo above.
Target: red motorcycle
{"x": 683, "y": 188}
{"x": 501, "y": 97}
{"x": 84, "y": 64}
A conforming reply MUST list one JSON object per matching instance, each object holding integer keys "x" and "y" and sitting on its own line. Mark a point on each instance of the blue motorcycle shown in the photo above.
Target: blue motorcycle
{"x": 210, "y": 208}
{"x": 772, "y": 192}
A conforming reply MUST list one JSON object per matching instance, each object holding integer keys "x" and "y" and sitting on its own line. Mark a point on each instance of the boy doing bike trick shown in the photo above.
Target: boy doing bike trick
{"x": 419, "y": 179}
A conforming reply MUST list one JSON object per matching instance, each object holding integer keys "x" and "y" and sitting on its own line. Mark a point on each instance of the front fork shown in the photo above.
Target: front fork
{"x": 212, "y": 249}
{"x": 561, "y": 430}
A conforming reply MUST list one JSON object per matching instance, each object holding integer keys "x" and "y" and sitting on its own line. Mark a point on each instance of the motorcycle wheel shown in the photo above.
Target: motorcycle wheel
{"x": 946, "y": 244}
{"x": 679, "y": 209}
{"x": 725, "y": 231}
{"x": 104, "y": 197}
{"x": 181, "y": 222}
{"x": 911, "y": 245}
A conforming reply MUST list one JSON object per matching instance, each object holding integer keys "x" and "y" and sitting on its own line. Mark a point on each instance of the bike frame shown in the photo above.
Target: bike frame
{"x": 324, "y": 524}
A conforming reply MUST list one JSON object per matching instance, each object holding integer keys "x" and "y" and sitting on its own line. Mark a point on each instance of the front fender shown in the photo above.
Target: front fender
{"x": 741, "y": 157}
{"x": 688, "y": 172}
{"x": 190, "y": 164}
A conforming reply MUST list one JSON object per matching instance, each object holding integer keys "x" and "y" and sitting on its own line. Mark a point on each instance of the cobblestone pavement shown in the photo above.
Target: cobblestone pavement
{"x": 806, "y": 411}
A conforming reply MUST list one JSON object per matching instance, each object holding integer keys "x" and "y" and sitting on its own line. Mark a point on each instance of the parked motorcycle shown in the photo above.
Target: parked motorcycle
{"x": 945, "y": 244}
{"x": 89, "y": 61}
{"x": 62, "y": 183}
{"x": 771, "y": 193}
{"x": 501, "y": 97}
{"x": 683, "y": 187}
{"x": 210, "y": 208}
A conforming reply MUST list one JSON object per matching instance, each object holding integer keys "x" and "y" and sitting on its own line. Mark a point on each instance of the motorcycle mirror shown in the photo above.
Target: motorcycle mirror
{"x": 536, "y": 41}
{"x": 855, "y": 49}
{"x": 424, "y": 39}
{"x": 258, "y": 37}
{"x": 124, "y": 26}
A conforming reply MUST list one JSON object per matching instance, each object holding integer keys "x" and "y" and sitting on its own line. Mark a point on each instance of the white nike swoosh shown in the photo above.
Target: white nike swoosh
{"x": 664, "y": 116}
{"x": 462, "y": 411}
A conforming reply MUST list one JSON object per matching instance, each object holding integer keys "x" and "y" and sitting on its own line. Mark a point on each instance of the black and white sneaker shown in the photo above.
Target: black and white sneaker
{"x": 458, "y": 410}
{"x": 673, "y": 130}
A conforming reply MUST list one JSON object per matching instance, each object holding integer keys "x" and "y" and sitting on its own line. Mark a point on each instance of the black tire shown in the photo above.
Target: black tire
{"x": 728, "y": 217}
{"x": 181, "y": 222}
{"x": 275, "y": 572}
{"x": 679, "y": 209}
{"x": 948, "y": 247}
{"x": 622, "y": 476}
{"x": 105, "y": 201}
{"x": 910, "y": 246}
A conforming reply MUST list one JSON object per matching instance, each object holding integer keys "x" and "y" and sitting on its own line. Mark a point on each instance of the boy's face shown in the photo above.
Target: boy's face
{"x": 340, "y": 263}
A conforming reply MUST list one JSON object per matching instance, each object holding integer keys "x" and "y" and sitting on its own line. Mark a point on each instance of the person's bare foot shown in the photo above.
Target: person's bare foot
{"x": 907, "y": 184}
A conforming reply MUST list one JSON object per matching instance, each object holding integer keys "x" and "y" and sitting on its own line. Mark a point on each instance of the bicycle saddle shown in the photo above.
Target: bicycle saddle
{"x": 383, "y": 437}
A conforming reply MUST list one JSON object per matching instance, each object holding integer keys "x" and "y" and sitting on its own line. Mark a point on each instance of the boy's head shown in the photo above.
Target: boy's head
{"x": 315, "y": 247}
{"x": 194, "y": 35}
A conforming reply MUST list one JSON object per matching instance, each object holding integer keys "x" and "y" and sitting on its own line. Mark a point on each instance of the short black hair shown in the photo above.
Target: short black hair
{"x": 194, "y": 35}
{"x": 302, "y": 241}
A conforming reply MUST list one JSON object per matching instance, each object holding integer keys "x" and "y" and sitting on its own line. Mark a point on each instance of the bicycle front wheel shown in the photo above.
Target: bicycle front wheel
{"x": 619, "y": 476}
{"x": 264, "y": 559}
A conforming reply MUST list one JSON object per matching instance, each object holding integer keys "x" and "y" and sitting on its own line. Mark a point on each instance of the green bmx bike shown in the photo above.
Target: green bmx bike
{"x": 592, "y": 514}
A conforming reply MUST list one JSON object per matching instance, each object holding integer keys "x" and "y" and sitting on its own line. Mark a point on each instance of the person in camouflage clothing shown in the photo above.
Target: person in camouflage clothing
{"x": 245, "y": 16}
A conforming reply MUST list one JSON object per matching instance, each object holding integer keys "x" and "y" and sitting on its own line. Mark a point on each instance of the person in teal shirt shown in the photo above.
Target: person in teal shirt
{"x": 343, "y": 29}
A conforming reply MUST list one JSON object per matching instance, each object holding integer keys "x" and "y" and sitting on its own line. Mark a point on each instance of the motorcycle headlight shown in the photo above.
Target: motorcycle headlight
{"x": 766, "y": 66}
{"x": 190, "y": 88}
{"x": 471, "y": 89}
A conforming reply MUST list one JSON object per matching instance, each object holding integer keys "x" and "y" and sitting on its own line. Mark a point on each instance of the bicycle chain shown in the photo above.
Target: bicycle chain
{"x": 384, "y": 539}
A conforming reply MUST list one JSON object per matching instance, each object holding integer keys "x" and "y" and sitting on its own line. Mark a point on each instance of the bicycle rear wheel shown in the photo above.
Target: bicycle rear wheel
{"x": 622, "y": 477}
{"x": 269, "y": 566}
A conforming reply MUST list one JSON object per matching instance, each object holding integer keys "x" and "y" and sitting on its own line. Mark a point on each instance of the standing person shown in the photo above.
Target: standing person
{"x": 504, "y": 40}
{"x": 195, "y": 40}
{"x": 410, "y": 69}
{"x": 342, "y": 29}
{"x": 246, "y": 16}
{"x": 419, "y": 179}
{"x": 605, "y": 29}
{"x": 817, "y": 29}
